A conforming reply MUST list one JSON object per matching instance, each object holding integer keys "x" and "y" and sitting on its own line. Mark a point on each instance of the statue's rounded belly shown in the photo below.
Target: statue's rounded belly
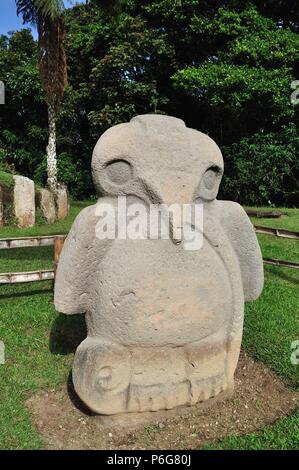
{"x": 157, "y": 295}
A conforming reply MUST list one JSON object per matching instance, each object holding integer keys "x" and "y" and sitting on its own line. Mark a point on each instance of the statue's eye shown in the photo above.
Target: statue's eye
{"x": 119, "y": 171}
{"x": 211, "y": 177}
{"x": 209, "y": 184}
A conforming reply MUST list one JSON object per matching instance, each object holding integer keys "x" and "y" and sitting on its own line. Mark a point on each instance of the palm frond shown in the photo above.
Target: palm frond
{"x": 27, "y": 10}
{"x": 50, "y": 8}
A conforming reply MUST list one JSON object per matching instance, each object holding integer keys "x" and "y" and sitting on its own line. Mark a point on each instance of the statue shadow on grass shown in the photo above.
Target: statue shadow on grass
{"x": 67, "y": 332}
{"x": 290, "y": 275}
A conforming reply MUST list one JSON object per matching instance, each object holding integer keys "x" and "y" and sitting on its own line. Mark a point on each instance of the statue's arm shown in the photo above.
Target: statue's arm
{"x": 75, "y": 265}
{"x": 241, "y": 233}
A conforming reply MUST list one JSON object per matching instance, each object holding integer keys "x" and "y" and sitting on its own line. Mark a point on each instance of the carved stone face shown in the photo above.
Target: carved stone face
{"x": 159, "y": 160}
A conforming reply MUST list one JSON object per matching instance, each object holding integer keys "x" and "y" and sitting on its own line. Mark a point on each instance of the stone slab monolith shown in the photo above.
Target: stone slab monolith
{"x": 24, "y": 201}
{"x": 62, "y": 202}
{"x": 46, "y": 203}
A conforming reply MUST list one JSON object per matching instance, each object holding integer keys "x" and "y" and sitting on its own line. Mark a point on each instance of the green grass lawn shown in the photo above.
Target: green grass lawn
{"x": 282, "y": 435}
{"x": 289, "y": 220}
{"x": 39, "y": 343}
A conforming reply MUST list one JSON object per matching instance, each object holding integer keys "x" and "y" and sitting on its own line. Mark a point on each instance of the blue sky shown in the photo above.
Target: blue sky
{"x": 11, "y": 22}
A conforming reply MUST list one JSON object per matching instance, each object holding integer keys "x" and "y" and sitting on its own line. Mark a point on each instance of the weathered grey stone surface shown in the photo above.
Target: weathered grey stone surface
{"x": 46, "y": 204}
{"x": 62, "y": 202}
{"x": 24, "y": 201}
{"x": 164, "y": 324}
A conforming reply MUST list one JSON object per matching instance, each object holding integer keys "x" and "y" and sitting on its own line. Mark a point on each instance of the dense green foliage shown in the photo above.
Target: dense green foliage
{"x": 225, "y": 67}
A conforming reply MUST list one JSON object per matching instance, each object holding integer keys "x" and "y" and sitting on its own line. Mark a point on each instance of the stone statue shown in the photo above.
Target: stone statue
{"x": 164, "y": 323}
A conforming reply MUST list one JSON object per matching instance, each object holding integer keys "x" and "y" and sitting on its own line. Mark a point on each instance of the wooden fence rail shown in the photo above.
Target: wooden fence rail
{"x": 31, "y": 242}
{"x": 31, "y": 276}
{"x": 27, "y": 242}
{"x": 277, "y": 232}
{"x": 281, "y": 262}
{"x": 58, "y": 240}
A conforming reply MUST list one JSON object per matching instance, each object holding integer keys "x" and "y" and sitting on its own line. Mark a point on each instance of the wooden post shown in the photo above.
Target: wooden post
{"x": 58, "y": 244}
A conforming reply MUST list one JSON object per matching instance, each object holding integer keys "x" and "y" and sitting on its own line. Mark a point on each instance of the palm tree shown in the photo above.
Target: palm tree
{"x": 47, "y": 16}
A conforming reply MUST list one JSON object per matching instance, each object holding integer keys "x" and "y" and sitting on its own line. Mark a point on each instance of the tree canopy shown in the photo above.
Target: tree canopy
{"x": 225, "y": 67}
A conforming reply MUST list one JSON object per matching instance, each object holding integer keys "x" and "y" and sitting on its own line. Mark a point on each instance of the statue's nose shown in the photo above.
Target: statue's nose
{"x": 175, "y": 194}
{"x": 176, "y": 189}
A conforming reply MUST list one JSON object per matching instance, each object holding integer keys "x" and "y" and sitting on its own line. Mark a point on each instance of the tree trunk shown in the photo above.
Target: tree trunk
{"x": 51, "y": 150}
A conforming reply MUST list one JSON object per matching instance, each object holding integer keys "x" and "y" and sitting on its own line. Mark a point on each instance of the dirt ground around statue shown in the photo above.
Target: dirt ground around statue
{"x": 260, "y": 397}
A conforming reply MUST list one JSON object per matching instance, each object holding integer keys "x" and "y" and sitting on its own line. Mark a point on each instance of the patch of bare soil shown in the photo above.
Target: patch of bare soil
{"x": 260, "y": 397}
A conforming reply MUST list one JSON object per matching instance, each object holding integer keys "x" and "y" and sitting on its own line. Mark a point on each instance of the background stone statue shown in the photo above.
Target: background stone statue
{"x": 164, "y": 323}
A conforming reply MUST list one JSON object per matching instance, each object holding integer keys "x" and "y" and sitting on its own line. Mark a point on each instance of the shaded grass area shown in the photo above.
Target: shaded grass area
{"x": 39, "y": 343}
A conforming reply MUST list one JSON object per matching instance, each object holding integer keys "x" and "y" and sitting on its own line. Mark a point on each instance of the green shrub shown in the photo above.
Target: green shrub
{"x": 263, "y": 169}
{"x": 6, "y": 177}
